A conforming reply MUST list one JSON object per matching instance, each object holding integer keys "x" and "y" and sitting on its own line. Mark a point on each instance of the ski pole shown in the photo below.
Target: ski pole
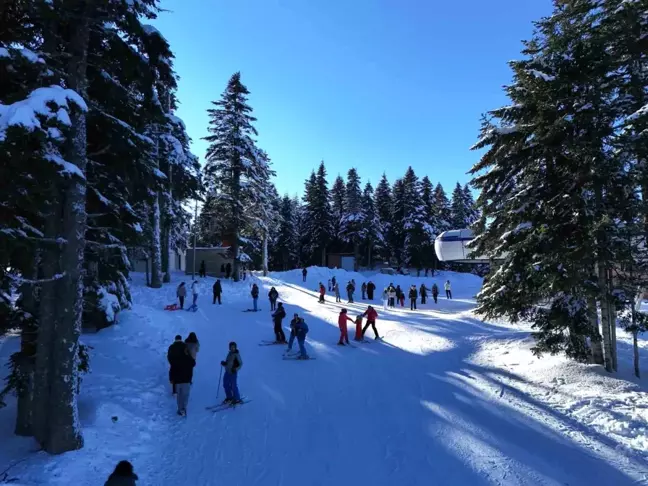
{"x": 219, "y": 382}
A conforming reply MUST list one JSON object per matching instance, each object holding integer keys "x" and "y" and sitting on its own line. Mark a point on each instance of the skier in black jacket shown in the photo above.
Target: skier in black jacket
{"x": 182, "y": 377}
{"x": 278, "y": 318}
{"x": 413, "y": 295}
{"x": 273, "y": 295}
{"x": 218, "y": 290}
{"x": 371, "y": 287}
{"x": 123, "y": 475}
{"x": 174, "y": 355}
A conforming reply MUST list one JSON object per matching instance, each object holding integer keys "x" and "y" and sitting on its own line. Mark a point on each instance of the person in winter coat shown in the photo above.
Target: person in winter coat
{"x": 329, "y": 285}
{"x": 385, "y": 298}
{"x": 413, "y": 295}
{"x": 423, "y": 291}
{"x": 278, "y": 318}
{"x": 350, "y": 288}
{"x": 123, "y": 475}
{"x": 301, "y": 330}
{"x": 371, "y": 287}
{"x": 193, "y": 346}
{"x": 222, "y": 270}
{"x": 342, "y": 323}
{"x": 400, "y": 296}
{"x": 363, "y": 289}
{"x": 293, "y": 332}
{"x": 448, "y": 289}
{"x": 322, "y": 292}
{"x": 358, "y": 333}
{"x": 273, "y": 295}
{"x": 203, "y": 270}
{"x": 218, "y": 291}
{"x": 182, "y": 377}
{"x": 392, "y": 295}
{"x": 232, "y": 365}
{"x": 371, "y": 316}
{"x": 336, "y": 289}
{"x": 435, "y": 293}
{"x": 333, "y": 280}
{"x": 228, "y": 270}
{"x": 304, "y": 273}
{"x": 174, "y": 354}
{"x": 194, "y": 292}
{"x": 255, "y": 296}
{"x": 181, "y": 292}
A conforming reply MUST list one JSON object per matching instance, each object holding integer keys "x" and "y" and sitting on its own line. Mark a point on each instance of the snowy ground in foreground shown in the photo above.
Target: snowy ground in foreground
{"x": 447, "y": 400}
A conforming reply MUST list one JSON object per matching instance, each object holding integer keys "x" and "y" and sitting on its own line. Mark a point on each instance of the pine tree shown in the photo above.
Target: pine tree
{"x": 384, "y": 207}
{"x": 430, "y": 260}
{"x": 470, "y": 208}
{"x": 458, "y": 210}
{"x": 442, "y": 209}
{"x": 235, "y": 168}
{"x": 287, "y": 253}
{"x": 338, "y": 192}
{"x": 318, "y": 225}
{"x": 399, "y": 211}
{"x": 419, "y": 234}
{"x": 371, "y": 235}
{"x": 352, "y": 224}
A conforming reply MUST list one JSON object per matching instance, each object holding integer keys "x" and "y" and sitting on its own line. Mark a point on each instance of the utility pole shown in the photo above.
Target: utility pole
{"x": 193, "y": 275}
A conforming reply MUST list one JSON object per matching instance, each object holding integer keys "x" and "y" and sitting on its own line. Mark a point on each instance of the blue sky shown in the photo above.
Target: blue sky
{"x": 374, "y": 84}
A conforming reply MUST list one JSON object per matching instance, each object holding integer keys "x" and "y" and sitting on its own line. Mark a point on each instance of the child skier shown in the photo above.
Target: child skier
{"x": 301, "y": 329}
{"x": 293, "y": 332}
{"x": 322, "y": 292}
{"x": 278, "y": 318}
{"x": 358, "y": 334}
{"x": 342, "y": 322}
{"x": 232, "y": 365}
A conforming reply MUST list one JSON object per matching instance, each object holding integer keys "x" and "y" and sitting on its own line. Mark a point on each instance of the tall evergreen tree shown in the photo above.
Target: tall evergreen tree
{"x": 385, "y": 209}
{"x": 443, "y": 212}
{"x": 429, "y": 259}
{"x": 371, "y": 235}
{"x": 338, "y": 193}
{"x": 352, "y": 219}
{"x": 318, "y": 227}
{"x": 287, "y": 254}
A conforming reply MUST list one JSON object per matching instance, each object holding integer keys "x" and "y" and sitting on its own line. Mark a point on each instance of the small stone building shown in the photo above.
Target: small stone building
{"x": 214, "y": 257}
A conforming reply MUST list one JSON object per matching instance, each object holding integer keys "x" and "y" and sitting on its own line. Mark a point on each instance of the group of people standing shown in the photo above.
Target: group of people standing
{"x": 182, "y": 355}
{"x": 392, "y": 295}
{"x": 298, "y": 329}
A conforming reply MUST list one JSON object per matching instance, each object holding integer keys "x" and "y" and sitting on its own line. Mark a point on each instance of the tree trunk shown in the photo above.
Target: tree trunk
{"x": 596, "y": 341}
{"x": 265, "y": 253}
{"x": 635, "y": 349}
{"x": 605, "y": 317}
{"x": 612, "y": 321}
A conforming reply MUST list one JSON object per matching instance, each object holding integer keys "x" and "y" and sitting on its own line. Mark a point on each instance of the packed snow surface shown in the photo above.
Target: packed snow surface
{"x": 445, "y": 399}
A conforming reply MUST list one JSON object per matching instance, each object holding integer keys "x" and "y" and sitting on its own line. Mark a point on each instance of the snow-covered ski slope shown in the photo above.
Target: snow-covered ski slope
{"x": 446, "y": 399}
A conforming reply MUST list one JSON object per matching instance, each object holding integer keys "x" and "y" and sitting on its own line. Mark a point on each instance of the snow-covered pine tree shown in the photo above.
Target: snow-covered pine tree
{"x": 371, "y": 235}
{"x": 470, "y": 208}
{"x": 285, "y": 253}
{"x": 385, "y": 210}
{"x": 397, "y": 233}
{"x": 318, "y": 225}
{"x": 352, "y": 223}
{"x": 301, "y": 252}
{"x": 430, "y": 260}
{"x": 442, "y": 210}
{"x": 338, "y": 192}
{"x": 232, "y": 163}
{"x": 419, "y": 234}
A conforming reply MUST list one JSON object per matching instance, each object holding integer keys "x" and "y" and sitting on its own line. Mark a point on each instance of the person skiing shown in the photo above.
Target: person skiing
{"x": 203, "y": 269}
{"x": 322, "y": 292}
{"x": 193, "y": 346}
{"x": 392, "y": 295}
{"x": 336, "y": 289}
{"x": 423, "y": 292}
{"x": 358, "y": 333}
{"x": 278, "y": 318}
{"x": 273, "y": 295}
{"x": 385, "y": 298}
{"x": 181, "y": 292}
{"x": 123, "y": 475}
{"x": 329, "y": 285}
{"x": 304, "y": 273}
{"x": 228, "y": 270}
{"x": 371, "y": 287}
{"x": 293, "y": 331}
{"x": 232, "y": 365}
{"x": 194, "y": 294}
{"x": 255, "y": 296}
{"x": 333, "y": 281}
{"x": 413, "y": 295}
{"x": 363, "y": 289}
{"x": 301, "y": 329}
{"x": 350, "y": 288}
{"x": 342, "y": 323}
{"x": 435, "y": 293}
{"x": 218, "y": 290}
{"x": 371, "y": 316}
{"x": 183, "y": 377}
{"x": 174, "y": 353}
{"x": 448, "y": 289}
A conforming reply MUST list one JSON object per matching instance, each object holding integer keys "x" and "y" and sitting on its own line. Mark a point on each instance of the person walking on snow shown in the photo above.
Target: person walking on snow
{"x": 448, "y": 289}
{"x": 273, "y": 295}
{"x": 218, "y": 290}
{"x": 278, "y": 318}
{"x": 423, "y": 291}
{"x": 371, "y": 287}
{"x": 342, "y": 323}
{"x": 329, "y": 285}
{"x": 174, "y": 355}
{"x": 192, "y": 344}
{"x": 301, "y": 330}
{"x": 322, "y": 292}
{"x": 181, "y": 292}
{"x": 435, "y": 293}
{"x": 255, "y": 296}
{"x": 183, "y": 377}
{"x": 363, "y": 289}
{"x": 123, "y": 475}
{"x": 358, "y": 333}
{"x": 336, "y": 289}
{"x": 304, "y": 273}
{"x": 371, "y": 316}
{"x": 333, "y": 280}
{"x": 194, "y": 293}
{"x": 385, "y": 298}
{"x": 392, "y": 295}
{"x": 203, "y": 270}
{"x": 228, "y": 270}
{"x": 400, "y": 296}
{"x": 232, "y": 365}
{"x": 413, "y": 295}
{"x": 350, "y": 288}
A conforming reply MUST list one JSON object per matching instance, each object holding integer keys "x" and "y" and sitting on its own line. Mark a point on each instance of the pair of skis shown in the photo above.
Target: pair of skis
{"x": 226, "y": 406}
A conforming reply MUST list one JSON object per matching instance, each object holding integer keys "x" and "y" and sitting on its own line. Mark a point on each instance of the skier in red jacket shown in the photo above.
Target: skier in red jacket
{"x": 371, "y": 316}
{"x": 322, "y": 292}
{"x": 342, "y": 322}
